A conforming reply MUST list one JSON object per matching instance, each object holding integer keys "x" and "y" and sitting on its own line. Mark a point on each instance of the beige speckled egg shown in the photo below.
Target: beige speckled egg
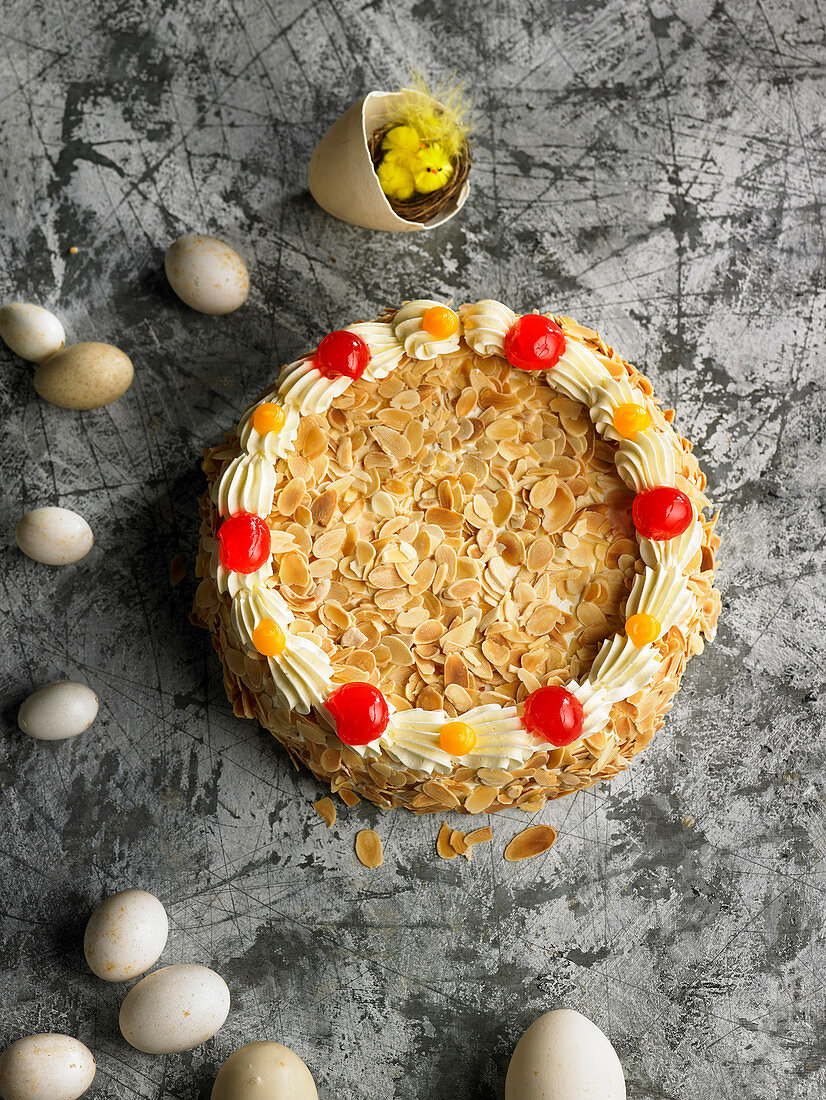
{"x": 31, "y": 331}
{"x": 46, "y": 1067}
{"x": 264, "y": 1071}
{"x": 58, "y": 711}
{"x": 563, "y": 1056}
{"x": 207, "y": 274}
{"x": 54, "y": 536}
{"x": 84, "y": 376}
{"x": 174, "y": 1009}
{"x": 125, "y": 935}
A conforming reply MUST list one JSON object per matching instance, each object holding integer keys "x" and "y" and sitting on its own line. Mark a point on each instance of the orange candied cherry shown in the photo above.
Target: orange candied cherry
{"x": 268, "y": 417}
{"x": 630, "y": 419}
{"x": 457, "y": 738}
{"x": 440, "y": 322}
{"x": 642, "y": 629}
{"x": 269, "y": 639}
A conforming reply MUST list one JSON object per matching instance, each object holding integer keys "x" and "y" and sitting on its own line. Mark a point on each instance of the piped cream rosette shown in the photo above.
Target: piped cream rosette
{"x": 302, "y": 674}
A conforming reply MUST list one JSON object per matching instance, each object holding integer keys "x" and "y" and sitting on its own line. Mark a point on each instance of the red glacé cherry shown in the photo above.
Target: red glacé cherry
{"x": 554, "y": 714}
{"x": 360, "y": 711}
{"x": 244, "y": 542}
{"x": 342, "y": 353}
{"x": 534, "y": 343}
{"x": 662, "y": 513}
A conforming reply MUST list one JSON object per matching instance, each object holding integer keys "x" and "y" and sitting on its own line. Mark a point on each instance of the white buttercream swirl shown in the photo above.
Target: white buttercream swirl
{"x": 662, "y": 593}
{"x": 228, "y": 581}
{"x": 486, "y": 325}
{"x": 673, "y": 553}
{"x": 246, "y": 485}
{"x": 418, "y": 344}
{"x": 577, "y": 372}
{"x": 621, "y": 669}
{"x": 646, "y": 460}
{"x": 604, "y": 401}
{"x": 273, "y": 445}
{"x": 302, "y": 385}
{"x": 386, "y": 350}
{"x": 302, "y": 674}
{"x": 252, "y": 605}
{"x": 596, "y": 705}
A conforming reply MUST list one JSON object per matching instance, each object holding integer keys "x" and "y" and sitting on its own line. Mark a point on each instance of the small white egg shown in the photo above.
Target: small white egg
{"x": 31, "y": 331}
{"x": 207, "y": 274}
{"x": 54, "y": 536}
{"x": 174, "y": 1009}
{"x": 125, "y": 935}
{"x": 46, "y": 1067}
{"x": 264, "y": 1071}
{"x": 563, "y": 1056}
{"x": 84, "y": 376}
{"x": 57, "y": 711}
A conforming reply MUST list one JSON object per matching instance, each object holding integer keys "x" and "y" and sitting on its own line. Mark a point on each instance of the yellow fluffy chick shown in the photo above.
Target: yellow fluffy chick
{"x": 402, "y": 139}
{"x": 396, "y": 179}
{"x": 431, "y": 169}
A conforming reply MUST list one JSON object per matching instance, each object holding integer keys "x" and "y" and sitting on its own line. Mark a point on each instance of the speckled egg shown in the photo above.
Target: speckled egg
{"x": 563, "y": 1056}
{"x": 84, "y": 376}
{"x": 207, "y": 274}
{"x": 264, "y": 1071}
{"x": 174, "y": 1009}
{"x": 31, "y": 331}
{"x": 125, "y": 935}
{"x": 57, "y": 711}
{"x": 46, "y": 1067}
{"x": 54, "y": 536}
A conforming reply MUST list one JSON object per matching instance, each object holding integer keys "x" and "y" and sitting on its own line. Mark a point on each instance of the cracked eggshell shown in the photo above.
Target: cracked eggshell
{"x": 264, "y": 1071}
{"x": 84, "y": 376}
{"x": 341, "y": 176}
{"x": 563, "y": 1056}
{"x": 31, "y": 332}
{"x": 174, "y": 1009}
{"x": 125, "y": 935}
{"x": 54, "y": 536}
{"x": 207, "y": 274}
{"x": 46, "y": 1067}
{"x": 58, "y": 711}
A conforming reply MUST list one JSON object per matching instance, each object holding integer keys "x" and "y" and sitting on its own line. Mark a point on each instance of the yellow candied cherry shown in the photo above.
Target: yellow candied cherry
{"x": 432, "y": 169}
{"x": 440, "y": 322}
{"x": 268, "y": 417}
{"x": 630, "y": 419}
{"x": 396, "y": 179}
{"x": 642, "y": 629}
{"x": 457, "y": 738}
{"x": 269, "y": 639}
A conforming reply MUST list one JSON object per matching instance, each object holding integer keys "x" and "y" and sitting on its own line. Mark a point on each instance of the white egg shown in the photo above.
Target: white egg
{"x": 174, "y": 1009}
{"x": 207, "y": 274}
{"x": 46, "y": 1067}
{"x": 54, "y": 536}
{"x": 57, "y": 711}
{"x": 31, "y": 331}
{"x": 264, "y": 1071}
{"x": 125, "y": 935}
{"x": 563, "y": 1056}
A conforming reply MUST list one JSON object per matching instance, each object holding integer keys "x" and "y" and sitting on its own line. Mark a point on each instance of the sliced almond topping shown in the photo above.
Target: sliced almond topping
{"x": 368, "y": 848}
{"x": 530, "y": 842}
{"x": 326, "y": 810}
{"x": 479, "y": 836}
{"x": 443, "y": 846}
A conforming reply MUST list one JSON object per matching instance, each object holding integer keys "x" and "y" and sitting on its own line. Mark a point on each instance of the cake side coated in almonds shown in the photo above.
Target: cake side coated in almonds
{"x": 460, "y": 532}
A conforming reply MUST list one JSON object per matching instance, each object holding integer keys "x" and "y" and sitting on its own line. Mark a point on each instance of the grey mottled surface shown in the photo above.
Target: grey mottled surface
{"x": 657, "y": 170}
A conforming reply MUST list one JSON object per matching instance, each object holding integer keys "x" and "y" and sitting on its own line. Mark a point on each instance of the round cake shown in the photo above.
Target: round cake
{"x": 457, "y": 560}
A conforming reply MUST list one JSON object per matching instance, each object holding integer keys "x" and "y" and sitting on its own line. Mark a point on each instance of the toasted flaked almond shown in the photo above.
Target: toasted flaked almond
{"x": 368, "y": 848}
{"x": 385, "y": 576}
{"x": 456, "y": 671}
{"x": 530, "y": 842}
{"x": 291, "y": 495}
{"x": 443, "y": 846}
{"x": 315, "y": 443}
{"x": 323, "y": 507}
{"x": 326, "y": 810}
{"x": 428, "y": 632}
{"x": 478, "y": 836}
{"x": 293, "y": 570}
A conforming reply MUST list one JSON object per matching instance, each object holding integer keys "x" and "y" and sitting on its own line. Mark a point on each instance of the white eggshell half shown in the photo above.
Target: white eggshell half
{"x": 264, "y": 1071}
{"x": 174, "y": 1009}
{"x": 31, "y": 331}
{"x": 57, "y": 711}
{"x": 207, "y": 274}
{"x": 563, "y": 1056}
{"x": 125, "y": 935}
{"x": 54, "y": 536}
{"x": 46, "y": 1067}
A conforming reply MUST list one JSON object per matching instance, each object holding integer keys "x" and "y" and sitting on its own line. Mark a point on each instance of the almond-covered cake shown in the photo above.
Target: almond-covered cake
{"x": 457, "y": 560}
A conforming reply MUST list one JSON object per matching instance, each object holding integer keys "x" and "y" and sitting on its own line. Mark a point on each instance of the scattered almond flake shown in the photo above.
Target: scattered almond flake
{"x": 457, "y": 842}
{"x": 369, "y": 849}
{"x": 326, "y": 810}
{"x": 293, "y": 570}
{"x": 323, "y": 507}
{"x": 290, "y": 496}
{"x": 349, "y": 798}
{"x": 479, "y": 836}
{"x": 443, "y": 846}
{"x": 177, "y": 570}
{"x": 530, "y": 842}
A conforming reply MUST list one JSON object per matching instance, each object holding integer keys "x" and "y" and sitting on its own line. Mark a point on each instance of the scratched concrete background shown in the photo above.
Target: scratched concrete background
{"x": 655, "y": 169}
